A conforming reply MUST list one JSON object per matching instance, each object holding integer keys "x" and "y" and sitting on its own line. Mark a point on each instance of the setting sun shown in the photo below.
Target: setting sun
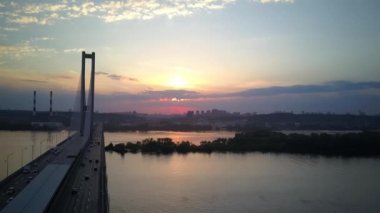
{"x": 177, "y": 82}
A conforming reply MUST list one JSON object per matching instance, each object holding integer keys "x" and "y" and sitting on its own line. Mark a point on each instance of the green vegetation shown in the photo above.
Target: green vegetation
{"x": 347, "y": 145}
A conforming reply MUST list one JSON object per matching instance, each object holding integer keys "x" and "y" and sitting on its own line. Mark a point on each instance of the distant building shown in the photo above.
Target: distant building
{"x": 190, "y": 113}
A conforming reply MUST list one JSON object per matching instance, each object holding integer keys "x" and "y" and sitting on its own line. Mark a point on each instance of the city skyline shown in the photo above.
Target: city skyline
{"x": 174, "y": 56}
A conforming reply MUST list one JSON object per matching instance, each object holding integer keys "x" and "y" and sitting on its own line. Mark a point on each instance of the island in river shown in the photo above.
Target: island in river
{"x": 363, "y": 144}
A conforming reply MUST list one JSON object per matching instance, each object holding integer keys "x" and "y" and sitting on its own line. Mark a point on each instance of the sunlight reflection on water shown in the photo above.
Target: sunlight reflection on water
{"x": 251, "y": 182}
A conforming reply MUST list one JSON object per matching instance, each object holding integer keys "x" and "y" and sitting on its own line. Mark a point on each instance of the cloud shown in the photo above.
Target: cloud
{"x": 101, "y": 73}
{"x": 25, "y": 20}
{"x": 352, "y": 96}
{"x": 338, "y": 97}
{"x": 133, "y": 79}
{"x": 63, "y": 77}
{"x": 9, "y": 29}
{"x": 43, "y": 38}
{"x": 336, "y": 88}
{"x": 20, "y": 50}
{"x": 13, "y": 98}
{"x": 115, "y": 77}
{"x": 34, "y": 81}
{"x": 73, "y": 50}
{"x": 112, "y": 11}
{"x": 44, "y": 7}
{"x": 155, "y": 95}
{"x": 179, "y": 94}
{"x": 111, "y": 76}
{"x": 274, "y": 1}
{"x": 329, "y": 87}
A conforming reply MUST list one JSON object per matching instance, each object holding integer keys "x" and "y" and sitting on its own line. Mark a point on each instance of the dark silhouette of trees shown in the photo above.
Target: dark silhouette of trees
{"x": 347, "y": 145}
{"x": 184, "y": 147}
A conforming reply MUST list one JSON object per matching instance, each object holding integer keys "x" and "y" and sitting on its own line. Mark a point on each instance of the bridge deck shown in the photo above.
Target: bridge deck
{"x": 59, "y": 173}
{"x": 36, "y": 195}
{"x": 19, "y": 181}
{"x": 87, "y": 179}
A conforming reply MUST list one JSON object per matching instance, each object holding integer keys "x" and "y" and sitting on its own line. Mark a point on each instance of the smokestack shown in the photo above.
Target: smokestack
{"x": 34, "y": 102}
{"x": 51, "y": 103}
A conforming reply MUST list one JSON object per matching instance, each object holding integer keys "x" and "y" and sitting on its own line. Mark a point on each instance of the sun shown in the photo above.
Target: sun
{"x": 177, "y": 82}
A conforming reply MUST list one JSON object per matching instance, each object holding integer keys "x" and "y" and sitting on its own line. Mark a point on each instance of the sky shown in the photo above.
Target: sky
{"x": 158, "y": 56}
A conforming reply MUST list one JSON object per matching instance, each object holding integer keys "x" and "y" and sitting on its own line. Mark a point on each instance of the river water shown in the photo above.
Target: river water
{"x": 18, "y": 148}
{"x": 252, "y": 182}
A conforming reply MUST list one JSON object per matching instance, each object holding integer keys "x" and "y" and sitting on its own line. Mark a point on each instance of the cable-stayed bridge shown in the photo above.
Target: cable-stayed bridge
{"x": 70, "y": 177}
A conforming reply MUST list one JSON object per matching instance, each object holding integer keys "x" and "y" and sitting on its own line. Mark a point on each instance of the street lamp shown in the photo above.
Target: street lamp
{"x": 8, "y": 156}
{"x": 40, "y": 146}
{"x": 32, "y": 152}
{"x": 22, "y": 155}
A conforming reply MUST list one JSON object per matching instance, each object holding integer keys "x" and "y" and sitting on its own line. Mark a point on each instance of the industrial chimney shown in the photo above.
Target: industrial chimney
{"x": 51, "y": 103}
{"x": 34, "y": 102}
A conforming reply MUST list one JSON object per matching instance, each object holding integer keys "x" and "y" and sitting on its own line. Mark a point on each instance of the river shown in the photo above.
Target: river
{"x": 18, "y": 148}
{"x": 252, "y": 182}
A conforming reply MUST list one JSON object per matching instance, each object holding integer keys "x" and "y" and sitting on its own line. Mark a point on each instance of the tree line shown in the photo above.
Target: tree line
{"x": 347, "y": 145}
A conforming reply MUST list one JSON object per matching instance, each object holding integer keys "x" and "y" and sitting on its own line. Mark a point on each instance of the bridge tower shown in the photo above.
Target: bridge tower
{"x": 87, "y": 111}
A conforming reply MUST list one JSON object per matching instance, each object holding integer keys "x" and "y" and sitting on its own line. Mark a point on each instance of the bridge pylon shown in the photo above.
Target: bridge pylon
{"x": 87, "y": 109}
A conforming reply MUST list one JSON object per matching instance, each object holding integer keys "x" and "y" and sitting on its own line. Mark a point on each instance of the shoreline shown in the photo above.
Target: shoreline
{"x": 363, "y": 144}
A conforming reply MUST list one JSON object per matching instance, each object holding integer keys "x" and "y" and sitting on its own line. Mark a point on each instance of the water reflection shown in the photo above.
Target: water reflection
{"x": 20, "y": 147}
{"x": 250, "y": 182}
{"x": 34, "y": 141}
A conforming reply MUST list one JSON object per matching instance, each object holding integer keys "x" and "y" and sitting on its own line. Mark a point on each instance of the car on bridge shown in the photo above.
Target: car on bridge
{"x": 26, "y": 169}
{"x": 11, "y": 190}
{"x": 74, "y": 191}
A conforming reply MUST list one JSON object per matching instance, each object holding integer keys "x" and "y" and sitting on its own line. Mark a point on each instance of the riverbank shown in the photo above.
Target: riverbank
{"x": 364, "y": 144}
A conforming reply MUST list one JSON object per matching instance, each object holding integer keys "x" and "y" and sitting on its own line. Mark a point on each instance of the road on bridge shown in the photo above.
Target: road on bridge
{"x": 19, "y": 180}
{"x": 84, "y": 189}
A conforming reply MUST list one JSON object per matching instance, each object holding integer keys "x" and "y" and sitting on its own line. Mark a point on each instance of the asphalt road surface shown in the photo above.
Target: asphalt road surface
{"x": 83, "y": 189}
{"x": 19, "y": 180}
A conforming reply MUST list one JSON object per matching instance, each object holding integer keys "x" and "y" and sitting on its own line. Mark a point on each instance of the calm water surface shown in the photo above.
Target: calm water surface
{"x": 18, "y": 148}
{"x": 251, "y": 182}
{"x": 241, "y": 183}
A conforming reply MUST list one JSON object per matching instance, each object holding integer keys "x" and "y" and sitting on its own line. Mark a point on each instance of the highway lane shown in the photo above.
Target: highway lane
{"x": 81, "y": 191}
{"x": 35, "y": 197}
{"x": 19, "y": 180}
